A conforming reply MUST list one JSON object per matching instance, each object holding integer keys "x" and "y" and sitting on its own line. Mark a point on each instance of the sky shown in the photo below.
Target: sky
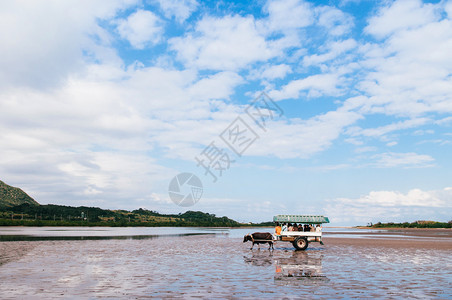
{"x": 336, "y": 108}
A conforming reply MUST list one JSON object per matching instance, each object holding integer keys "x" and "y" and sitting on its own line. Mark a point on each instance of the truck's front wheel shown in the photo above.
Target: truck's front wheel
{"x": 300, "y": 243}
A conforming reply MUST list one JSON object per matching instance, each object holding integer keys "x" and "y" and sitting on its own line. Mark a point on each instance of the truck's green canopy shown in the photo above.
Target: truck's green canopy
{"x": 301, "y": 219}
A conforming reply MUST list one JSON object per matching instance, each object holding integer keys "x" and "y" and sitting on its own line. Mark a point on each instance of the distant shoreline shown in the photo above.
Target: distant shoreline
{"x": 49, "y": 223}
{"x": 426, "y": 232}
{"x": 401, "y": 228}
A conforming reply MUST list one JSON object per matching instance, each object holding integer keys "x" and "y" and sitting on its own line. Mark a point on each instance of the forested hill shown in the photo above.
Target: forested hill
{"x": 59, "y": 215}
{"x": 17, "y": 208}
{"x": 12, "y": 196}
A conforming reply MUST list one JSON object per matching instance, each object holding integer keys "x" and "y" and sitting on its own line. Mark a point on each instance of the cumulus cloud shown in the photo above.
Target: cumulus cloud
{"x": 390, "y": 206}
{"x": 42, "y": 43}
{"x": 334, "y": 50}
{"x": 313, "y": 86}
{"x": 180, "y": 10}
{"x": 335, "y": 21}
{"x": 288, "y": 15}
{"x": 400, "y": 15}
{"x": 141, "y": 29}
{"x": 96, "y": 129}
{"x": 409, "y": 74}
{"x": 410, "y": 159}
{"x": 227, "y": 43}
{"x": 303, "y": 138}
{"x": 384, "y": 130}
{"x": 271, "y": 72}
{"x": 91, "y": 139}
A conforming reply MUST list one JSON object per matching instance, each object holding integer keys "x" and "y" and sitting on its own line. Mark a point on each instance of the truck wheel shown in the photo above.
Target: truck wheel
{"x": 300, "y": 243}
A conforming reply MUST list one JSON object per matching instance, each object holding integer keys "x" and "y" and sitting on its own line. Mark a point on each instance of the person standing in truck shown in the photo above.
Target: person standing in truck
{"x": 277, "y": 234}
{"x": 278, "y": 229}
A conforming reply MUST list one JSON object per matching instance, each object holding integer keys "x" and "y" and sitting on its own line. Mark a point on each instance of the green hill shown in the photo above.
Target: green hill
{"x": 17, "y": 208}
{"x": 12, "y": 196}
{"x": 60, "y": 215}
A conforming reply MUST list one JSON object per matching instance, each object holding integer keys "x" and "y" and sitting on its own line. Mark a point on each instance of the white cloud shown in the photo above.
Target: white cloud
{"x": 335, "y": 21}
{"x": 444, "y": 121}
{"x": 409, "y": 73}
{"x": 400, "y": 15}
{"x": 327, "y": 168}
{"x": 414, "y": 197}
{"x": 91, "y": 139}
{"x": 302, "y": 138}
{"x": 334, "y": 50}
{"x": 227, "y": 43}
{"x": 96, "y": 131}
{"x": 392, "y": 206}
{"x": 366, "y": 149}
{"x": 409, "y": 160}
{"x": 218, "y": 86}
{"x": 314, "y": 86}
{"x": 437, "y": 141}
{"x": 43, "y": 42}
{"x": 271, "y": 72}
{"x": 448, "y": 9}
{"x": 383, "y": 130}
{"x": 287, "y": 15}
{"x": 423, "y": 132}
{"x": 179, "y": 9}
{"x": 141, "y": 28}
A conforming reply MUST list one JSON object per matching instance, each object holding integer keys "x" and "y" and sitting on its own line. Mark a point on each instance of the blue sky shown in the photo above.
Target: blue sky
{"x": 102, "y": 103}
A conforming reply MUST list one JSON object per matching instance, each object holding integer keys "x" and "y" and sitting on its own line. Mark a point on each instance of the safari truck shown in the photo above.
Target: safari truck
{"x": 308, "y": 229}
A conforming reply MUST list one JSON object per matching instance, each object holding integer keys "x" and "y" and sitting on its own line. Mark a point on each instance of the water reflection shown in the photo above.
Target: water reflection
{"x": 260, "y": 258}
{"x": 215, "y": 267}
{"x": 290, "y": 267}
{"x": 9, "y": 238}
{"x": 300, "y": 266}
{"x": 14, "y": 251}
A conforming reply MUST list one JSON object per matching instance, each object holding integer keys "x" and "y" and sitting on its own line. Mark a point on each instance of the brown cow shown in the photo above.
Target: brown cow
{"x": 259, "y": 238}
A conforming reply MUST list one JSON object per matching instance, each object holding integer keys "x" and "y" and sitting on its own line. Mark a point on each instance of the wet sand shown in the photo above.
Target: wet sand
{"x": 425, "y": 232}
{"x": 435, "y": 239}
{"x": 392, "y": 243}
{"x": 219, "y": 266}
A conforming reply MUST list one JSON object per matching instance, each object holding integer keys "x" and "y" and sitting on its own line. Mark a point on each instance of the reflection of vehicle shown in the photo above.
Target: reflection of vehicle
{"x": 300, "y": 239}
{"x": 306, "y": 266}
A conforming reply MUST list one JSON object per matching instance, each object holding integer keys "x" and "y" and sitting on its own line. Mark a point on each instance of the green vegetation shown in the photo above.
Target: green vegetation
{"x": 12, "y": 196}
{"x": 416, "y": 224}
{"x": 59, "y": 215}
{"x": 19, "y": 209}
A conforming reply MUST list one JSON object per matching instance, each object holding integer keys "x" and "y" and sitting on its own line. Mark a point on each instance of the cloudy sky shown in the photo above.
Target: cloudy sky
{"x": 102, "y": 103}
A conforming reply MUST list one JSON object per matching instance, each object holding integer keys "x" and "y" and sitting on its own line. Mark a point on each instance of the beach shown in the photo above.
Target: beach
{"x": 217, "y": 264}
{"x": 435, "y": 239}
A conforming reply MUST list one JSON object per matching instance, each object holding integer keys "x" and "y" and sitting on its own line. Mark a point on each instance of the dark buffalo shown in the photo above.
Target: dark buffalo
{"x": 259, "y": 238}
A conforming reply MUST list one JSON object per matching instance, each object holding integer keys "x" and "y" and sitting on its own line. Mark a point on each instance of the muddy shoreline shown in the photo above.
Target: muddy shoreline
{"x": 425, "y": 232}
{"x": 387, "y": 242}
{"x": 379, "y": 264}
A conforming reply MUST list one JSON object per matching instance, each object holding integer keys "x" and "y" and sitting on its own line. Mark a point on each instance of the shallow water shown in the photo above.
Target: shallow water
{"x": 216, "y": 265}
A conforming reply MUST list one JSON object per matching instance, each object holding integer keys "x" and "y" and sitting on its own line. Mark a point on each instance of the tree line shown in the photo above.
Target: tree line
{"x": 416, "y": 224}
{"x": 60, "y": 215}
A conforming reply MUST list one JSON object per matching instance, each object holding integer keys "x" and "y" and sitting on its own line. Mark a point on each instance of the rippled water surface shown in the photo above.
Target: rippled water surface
{"x": 212, "y": 263}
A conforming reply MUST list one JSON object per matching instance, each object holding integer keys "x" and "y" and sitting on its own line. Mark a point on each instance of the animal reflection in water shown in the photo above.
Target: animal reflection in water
{"x": 259, "y": 238}
{"x": 260, "y": 258}
{"x": 290, "y": 267}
